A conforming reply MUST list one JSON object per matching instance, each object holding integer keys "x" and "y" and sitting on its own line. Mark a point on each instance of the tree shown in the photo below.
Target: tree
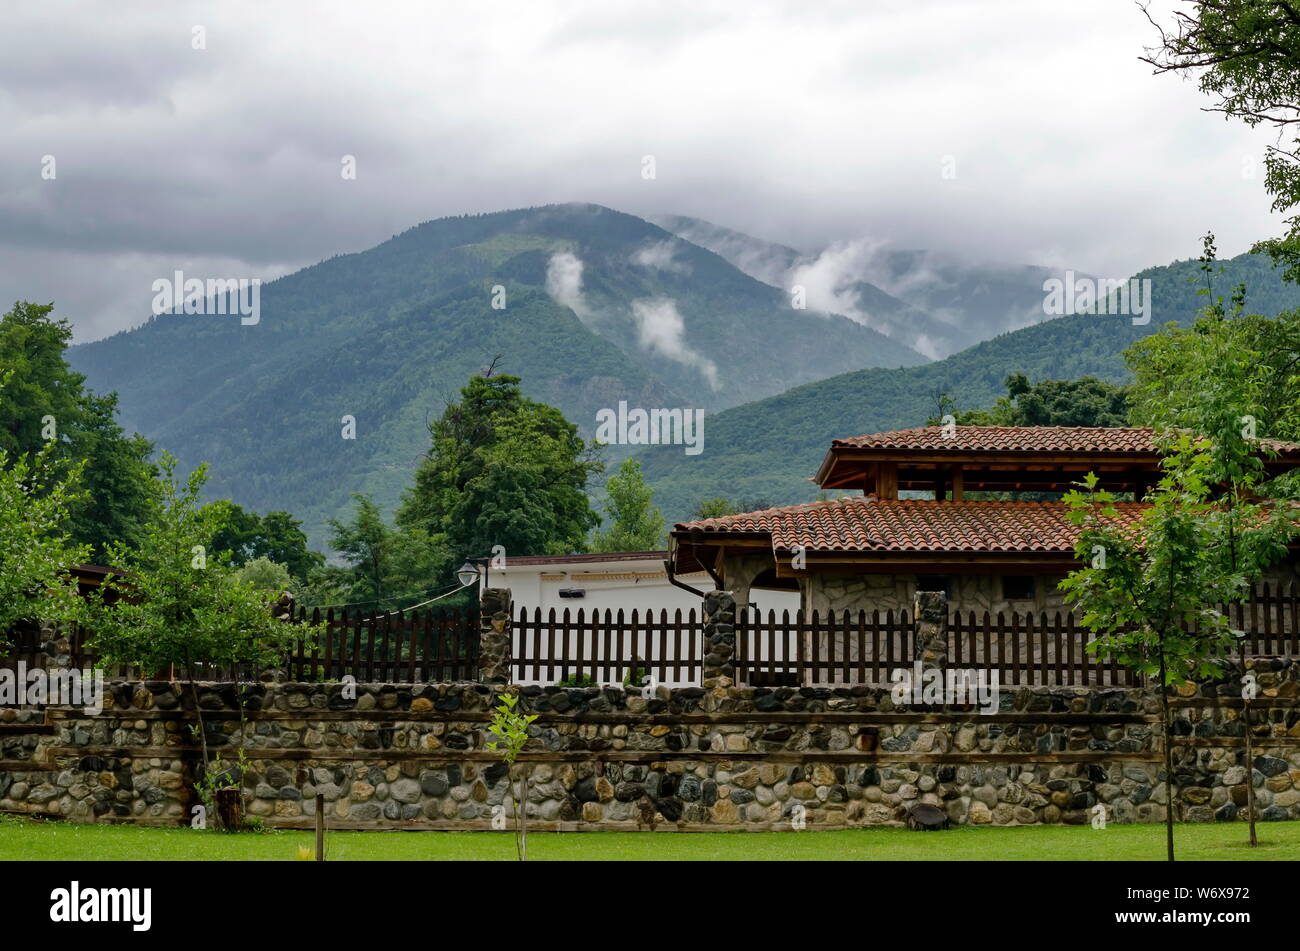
{"x": 276, "y": 536}
{"x": 1086, "y": 401}
{"x": 717, "y": 507}
{"x": 503, "y": 470}
{"x": 179, "y": 605}
{"x": 714, "y": 507}
{"x": 46, "y": 402}
{"x": 636, "y": 524}
{"x": 1152, "y": 591}
{"x": 1226, "y": 378}
{"x": 263, "y": 574}
{"x": 35, "y": 548}
{"x": 510, "y": 727}
{"x": 1180, "y": 373}
{"x": 386, "y": 566}
{"x": 1245, "y": 53}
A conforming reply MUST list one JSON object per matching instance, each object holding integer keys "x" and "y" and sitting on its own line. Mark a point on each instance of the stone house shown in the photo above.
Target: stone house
{"x": 875, "y": 551}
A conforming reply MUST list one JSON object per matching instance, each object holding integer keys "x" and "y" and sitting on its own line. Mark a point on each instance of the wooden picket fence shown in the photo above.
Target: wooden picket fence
{"x": 422, "y": 646}
{"x": 1271, "y": 619}
{"x": 794, "y": 649}
{"x": 1031, "y": 649}
{"x": 603, "y": 647}
{"x": 846, "y": 647}
{"x": 821, "y": 648}
{"x": 1043, "y": 650}
{"x": 25, "y": 643}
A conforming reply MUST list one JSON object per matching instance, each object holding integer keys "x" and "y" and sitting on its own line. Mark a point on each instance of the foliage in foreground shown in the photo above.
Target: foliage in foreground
{"x": 35, "y": 547}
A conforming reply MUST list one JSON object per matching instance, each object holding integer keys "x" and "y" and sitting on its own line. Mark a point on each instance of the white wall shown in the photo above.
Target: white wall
{"x": 615, "y": 585}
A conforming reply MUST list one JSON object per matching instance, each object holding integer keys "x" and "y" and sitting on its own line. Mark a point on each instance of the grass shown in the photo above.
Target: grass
{"x": 22, "y": 839}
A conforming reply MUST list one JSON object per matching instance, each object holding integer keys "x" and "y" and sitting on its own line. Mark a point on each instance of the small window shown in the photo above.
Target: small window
{"x": 1018, "y": 588}
{"x": 934, "y": 583}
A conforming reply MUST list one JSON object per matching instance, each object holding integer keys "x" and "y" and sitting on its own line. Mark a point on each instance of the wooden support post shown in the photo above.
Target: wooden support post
{"x": 887, "y": 481}
{"x": 320, "y": 827}
{"x": 957, "y": 483}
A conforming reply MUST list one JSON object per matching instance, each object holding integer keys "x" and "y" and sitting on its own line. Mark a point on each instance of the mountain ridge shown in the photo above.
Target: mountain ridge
{"x": 599, "y": 306}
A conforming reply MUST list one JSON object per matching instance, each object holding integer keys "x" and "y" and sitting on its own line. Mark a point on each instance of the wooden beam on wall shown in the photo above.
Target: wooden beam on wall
{"x": 887, "y": 481}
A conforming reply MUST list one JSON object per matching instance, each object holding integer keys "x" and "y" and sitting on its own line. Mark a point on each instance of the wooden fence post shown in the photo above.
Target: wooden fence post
{"x": 320, "y": 827}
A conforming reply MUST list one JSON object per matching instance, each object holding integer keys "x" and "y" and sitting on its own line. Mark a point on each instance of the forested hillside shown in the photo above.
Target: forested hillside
{"x": 770, "y": 448}
{"x": 599, "y": 307}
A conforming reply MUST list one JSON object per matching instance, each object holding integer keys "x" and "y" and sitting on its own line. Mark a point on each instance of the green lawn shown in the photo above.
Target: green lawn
{"x": 24, "y": 840}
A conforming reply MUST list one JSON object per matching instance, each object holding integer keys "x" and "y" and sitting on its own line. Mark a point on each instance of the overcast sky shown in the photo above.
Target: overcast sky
{"x": 805, "y": 122}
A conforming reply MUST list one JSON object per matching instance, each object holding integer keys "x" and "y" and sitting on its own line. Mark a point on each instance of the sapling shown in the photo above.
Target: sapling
{"x": 1153, "y": 597}
{"x": 510, "y": 727}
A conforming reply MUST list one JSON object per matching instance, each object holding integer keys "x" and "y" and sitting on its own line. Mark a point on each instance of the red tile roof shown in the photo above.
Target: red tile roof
{"x": 1136, "y": 439}
{"x": 909, "y": 525}
{"x": 594, "y": 558}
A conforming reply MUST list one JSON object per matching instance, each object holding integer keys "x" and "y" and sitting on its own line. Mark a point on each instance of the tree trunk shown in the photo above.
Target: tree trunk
{"x": 1250, "y": 754}
{"x": 523, "y": 814}
{"x": 230, "y": 809}
{"x": 198, "y": 712}
{"x": 1169, "y": 760}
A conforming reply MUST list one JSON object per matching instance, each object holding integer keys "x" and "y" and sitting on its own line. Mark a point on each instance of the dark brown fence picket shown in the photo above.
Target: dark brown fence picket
{"x": 605, "y": 646}
{"x": 435, "y": 644}
{"x": 772, "y": 648}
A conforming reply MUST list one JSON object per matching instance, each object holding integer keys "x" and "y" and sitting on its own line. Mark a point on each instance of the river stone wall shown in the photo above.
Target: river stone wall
{"x": 414, "y": 756}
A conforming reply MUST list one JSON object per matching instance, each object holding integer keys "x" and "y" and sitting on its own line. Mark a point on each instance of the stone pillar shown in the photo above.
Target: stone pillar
{"x": 55, "y": 648}
{"x": 930, "y": 644}
{"x": 719, "y": 639}
{"x": 496, "y": 610}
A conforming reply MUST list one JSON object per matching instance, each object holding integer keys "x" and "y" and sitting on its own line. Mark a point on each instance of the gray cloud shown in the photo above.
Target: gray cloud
{"x": 803, "y": 126}
{"x": 661, "y": 329}
{"x": 564, "y": 283}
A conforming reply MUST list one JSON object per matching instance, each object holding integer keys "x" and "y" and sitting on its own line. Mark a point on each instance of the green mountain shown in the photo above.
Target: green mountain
{"x": 933, "y": 302}
{"x": 769, "y": 449}
{"x": 599, "y": 307}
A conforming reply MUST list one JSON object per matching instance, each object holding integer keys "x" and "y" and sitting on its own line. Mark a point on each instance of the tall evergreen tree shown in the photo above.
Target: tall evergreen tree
{"x": 503, "y": 470}
{"x": 387, "y": 567}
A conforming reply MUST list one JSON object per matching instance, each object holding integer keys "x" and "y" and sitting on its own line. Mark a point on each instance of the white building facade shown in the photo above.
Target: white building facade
{"x": 622, "y": 581}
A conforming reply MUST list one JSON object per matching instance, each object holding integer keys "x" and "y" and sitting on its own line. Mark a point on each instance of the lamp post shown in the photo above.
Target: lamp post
{"x": 468, "y": 572}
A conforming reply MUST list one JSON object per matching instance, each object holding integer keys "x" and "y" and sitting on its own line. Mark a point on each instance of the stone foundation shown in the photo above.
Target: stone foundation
{"x": 415, "y": 756}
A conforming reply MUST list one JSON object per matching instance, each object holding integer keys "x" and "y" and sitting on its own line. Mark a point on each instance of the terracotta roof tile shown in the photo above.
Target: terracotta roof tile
{"x": 905, "y": 525}
{"x": 1138, "y": 439}
{"x": 1009, "y": 439}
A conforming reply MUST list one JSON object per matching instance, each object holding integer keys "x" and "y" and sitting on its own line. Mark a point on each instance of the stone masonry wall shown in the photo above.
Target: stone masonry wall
{"x": 414, "y": 756}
